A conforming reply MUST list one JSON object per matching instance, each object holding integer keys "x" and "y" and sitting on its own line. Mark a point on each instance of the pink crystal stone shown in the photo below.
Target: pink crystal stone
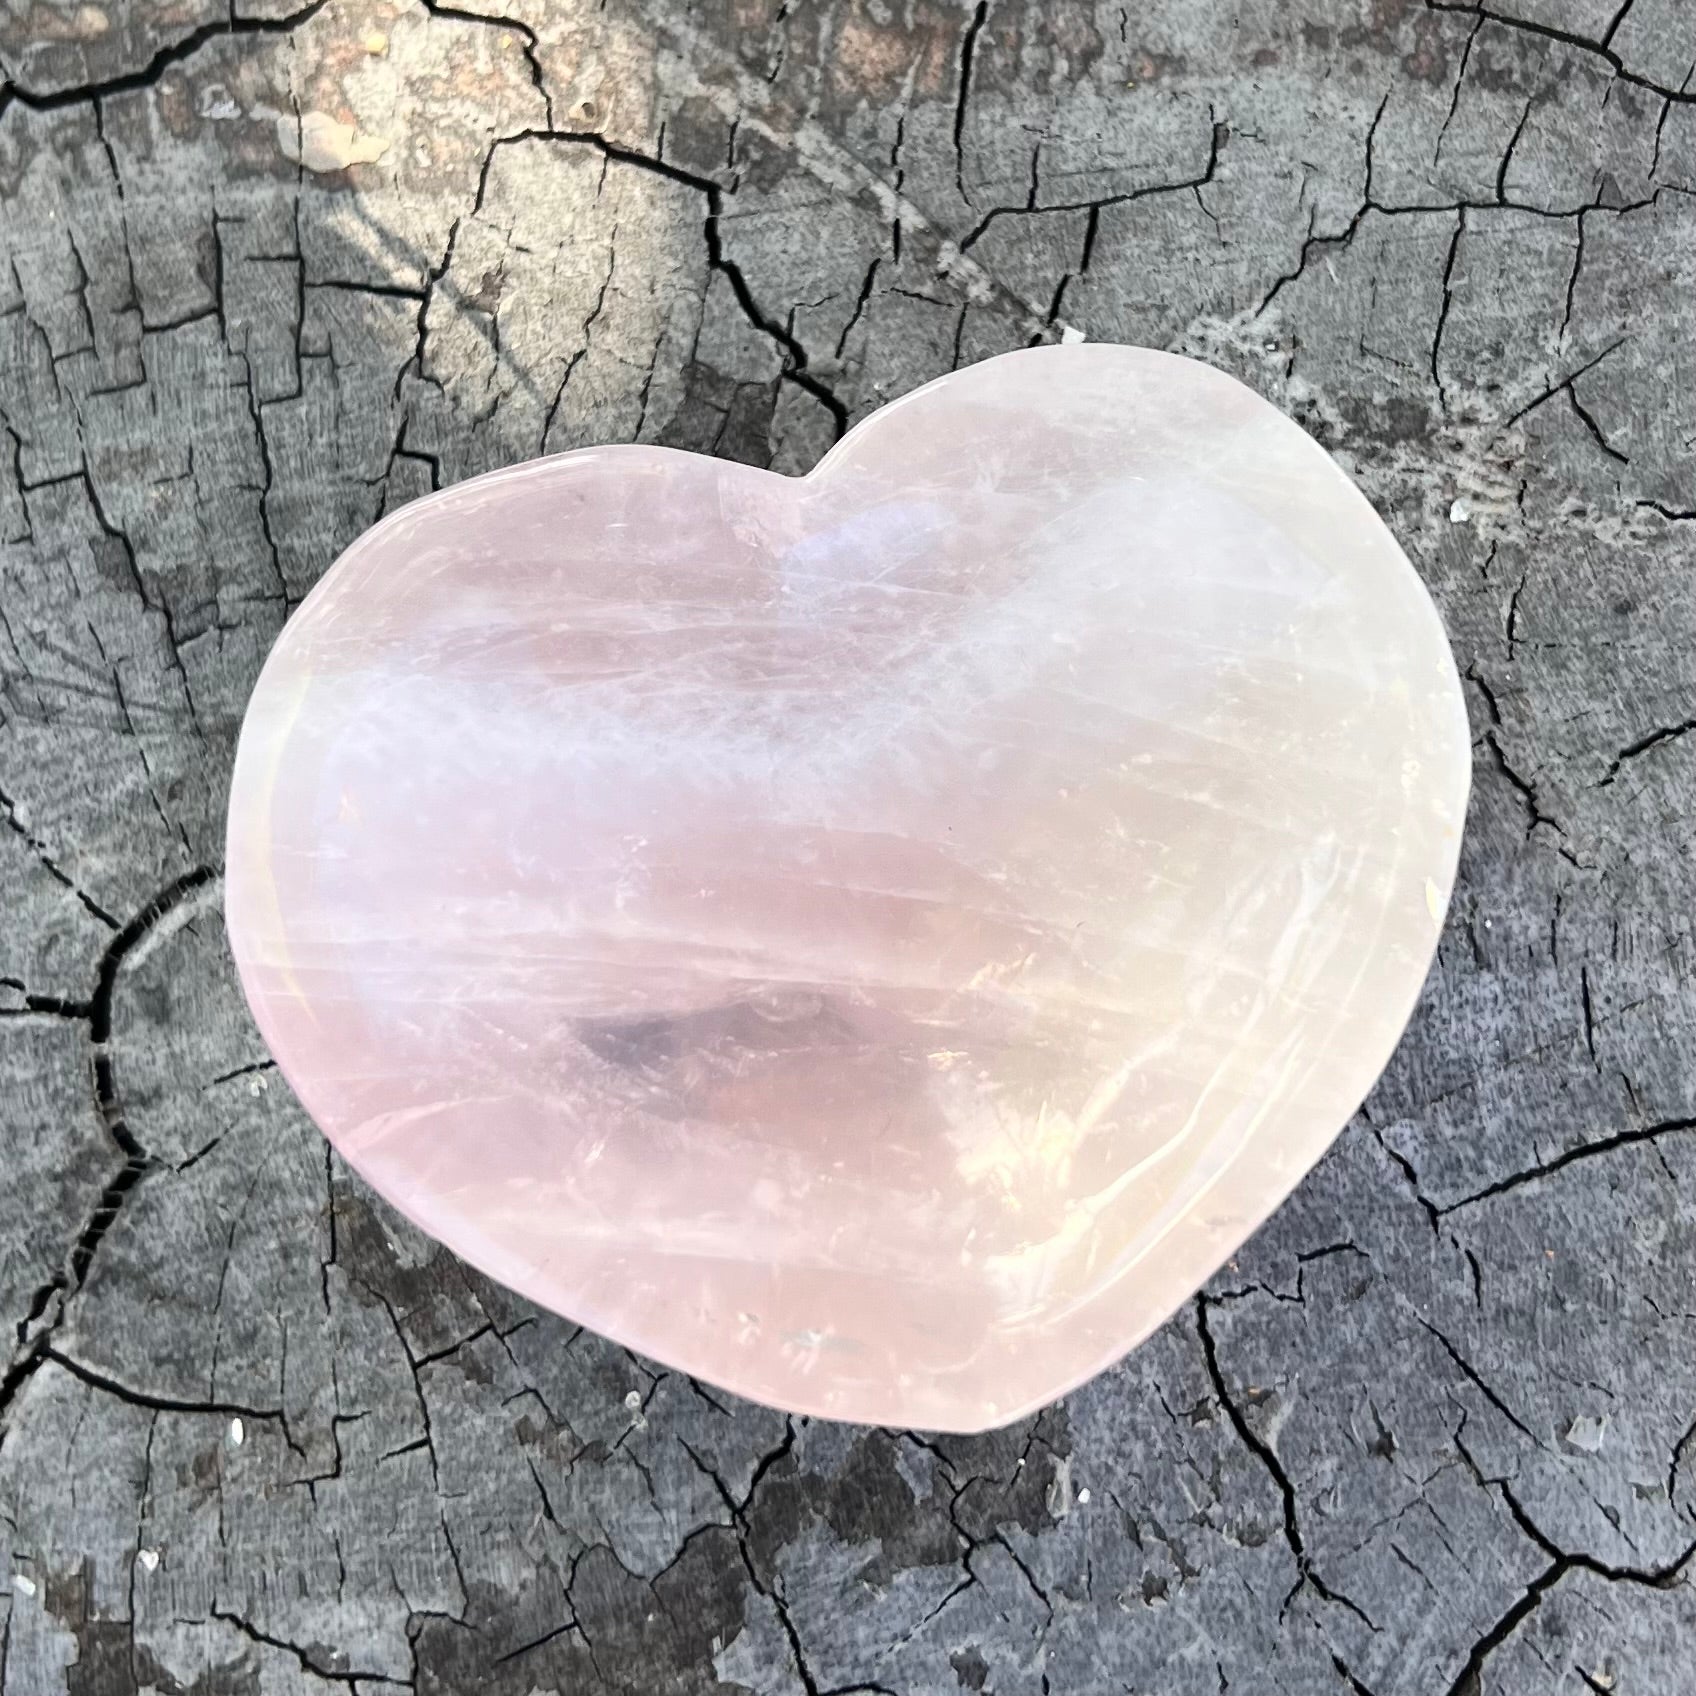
{"x": 876, "y": 941}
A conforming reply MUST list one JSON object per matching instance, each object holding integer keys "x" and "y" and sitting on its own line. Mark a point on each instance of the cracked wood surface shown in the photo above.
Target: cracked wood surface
{"x": 272, "y": 270}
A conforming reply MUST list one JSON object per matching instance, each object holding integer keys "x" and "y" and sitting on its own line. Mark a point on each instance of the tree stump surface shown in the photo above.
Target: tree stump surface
{"x": 269, "y": 272}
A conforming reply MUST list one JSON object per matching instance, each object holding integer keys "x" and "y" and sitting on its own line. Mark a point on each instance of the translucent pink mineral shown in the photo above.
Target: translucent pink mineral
{"x": 876, "y": 941}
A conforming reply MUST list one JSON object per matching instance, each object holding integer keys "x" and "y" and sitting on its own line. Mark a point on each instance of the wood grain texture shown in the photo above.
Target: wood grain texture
{"x": 267, "y": 272}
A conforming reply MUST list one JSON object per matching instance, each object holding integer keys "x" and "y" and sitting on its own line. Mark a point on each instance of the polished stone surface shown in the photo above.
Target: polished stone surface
{"x": 875, "y": 941}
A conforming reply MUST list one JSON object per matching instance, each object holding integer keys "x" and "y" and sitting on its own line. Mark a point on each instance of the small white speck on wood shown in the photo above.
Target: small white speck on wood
{"x": 1461, "y": 511}
{"x": 149, "y": 1559}
{"x": 238, "y": 1433}
{"x": 24, "y": 1586}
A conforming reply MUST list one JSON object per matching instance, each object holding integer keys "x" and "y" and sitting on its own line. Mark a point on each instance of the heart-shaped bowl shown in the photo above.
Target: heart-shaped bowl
{"x": 876, "y": 941}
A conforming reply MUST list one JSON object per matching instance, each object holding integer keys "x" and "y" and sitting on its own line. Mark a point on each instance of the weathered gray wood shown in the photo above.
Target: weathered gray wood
{"x": 264, "y": 279}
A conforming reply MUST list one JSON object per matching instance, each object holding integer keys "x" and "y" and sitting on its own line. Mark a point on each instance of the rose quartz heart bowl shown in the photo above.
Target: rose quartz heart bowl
{"x": 876, "y": 941}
